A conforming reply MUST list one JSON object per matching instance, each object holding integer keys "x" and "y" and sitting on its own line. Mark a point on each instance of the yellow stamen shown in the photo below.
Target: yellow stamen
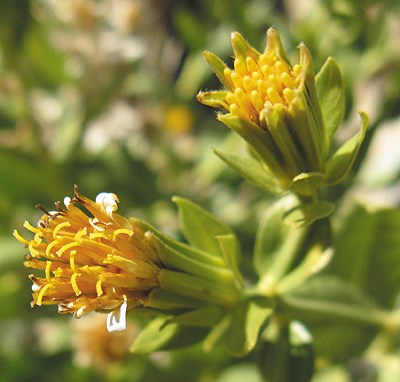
{"x": 30, "y": 227}
{"x": 122, "y": 231}
{"x": 99, "y": 290}
{"x": 231, "y": 98}
{"x": 240, "y": 66}
{"x": 287, "y": 80}
{"x": 41, "y": 294}
{"x": 275, "y": 83}
{"x": 50, "y": 247}
{"x": 280, "y": 67}
{"x": 248, "y": 84}
{"x": 20, "y": 238}
{"x": 257, "y": 100}
{"x": 236, "y": 79}
{"x": 59, "y": 227}
{"x": 66, "y": 247}
{"x": 75, "y": 285}
{"x": 289, "y": 95}
{"x": 47, "y": 270}
{"x": 251, "y": 65}
{"x": 273, "y": 96}
{"x": 72, "y": 260}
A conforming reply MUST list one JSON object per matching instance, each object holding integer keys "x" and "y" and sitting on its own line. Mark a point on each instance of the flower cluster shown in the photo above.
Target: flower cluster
{"x": 285, "y": 113}
{"x": 92, "y": 258}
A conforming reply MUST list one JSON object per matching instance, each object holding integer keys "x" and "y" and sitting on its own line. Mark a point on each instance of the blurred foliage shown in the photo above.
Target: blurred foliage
{"x": 101, "y": 93}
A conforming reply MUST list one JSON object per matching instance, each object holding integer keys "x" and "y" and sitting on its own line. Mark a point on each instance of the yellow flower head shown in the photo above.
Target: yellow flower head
{"x": 272, "y": 105}
{"x": 92, "y": 258}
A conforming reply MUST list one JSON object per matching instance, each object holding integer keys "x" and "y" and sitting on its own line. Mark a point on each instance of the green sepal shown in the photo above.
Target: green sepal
{"x": 276, "y": 120}
{"x": 214, "y": 99}
{"x": 239, "y": 330}
{"x": 342, "y": 160}
{"x": 328, "y": 301}
{"x": 304, "y": 128}
{"x": 274, "y": 46}
{"x": 286, "y": 354}
{"x": 242, "y": 48}
{"x": 310, "y": 94}
{"x": 200, "y": 227}
{"x": 307, "y": 213}
{"x": 161, "y": 334}
{"x": 167, "y": 301}
{"x": 207, "y": 316}
{"x": 172, "y": 259}
{"x": 330, "y": 90}
{"x": 306, "y": 183}
{"x": 218, "y": 67}
{"x": 182, "y": 248}
{"x": 197, "y": 288}
{"x": 252, "y": 170}
{"x": 261, "y": 142}
{"x": 277, "y": 244}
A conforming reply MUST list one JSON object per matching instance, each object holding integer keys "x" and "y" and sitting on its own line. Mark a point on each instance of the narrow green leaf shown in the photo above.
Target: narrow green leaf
{"x": 251, "y": 170}
{"x": 200, "y": 227}
{"x": 341, "y": 162}
{"x": 159, "y": 334}
{"x": 330, "y": 92}
{"x": 218, "y": 66}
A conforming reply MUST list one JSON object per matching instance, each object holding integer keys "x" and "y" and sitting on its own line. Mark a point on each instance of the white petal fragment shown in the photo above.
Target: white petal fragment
{"x": 116, "y": 320}
{"x": 108, "y": 202}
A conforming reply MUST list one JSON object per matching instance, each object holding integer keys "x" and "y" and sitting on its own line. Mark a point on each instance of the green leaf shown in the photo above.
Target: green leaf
{"x": 306, "y": 214}
{"x": 160, "y": 334}
{"x": 200, "y": 227}
{"x": 329, "y": 302}
{"x": 368, "y": 251}
{"x": 330, "y": 92}
{"x": 251, "y": 170}
{"x": 342, "y": 160}
{"x": 238, "y": 332}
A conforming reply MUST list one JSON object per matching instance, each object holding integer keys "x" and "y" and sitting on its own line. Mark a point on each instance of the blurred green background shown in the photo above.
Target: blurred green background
{"x": 101, "y": 93}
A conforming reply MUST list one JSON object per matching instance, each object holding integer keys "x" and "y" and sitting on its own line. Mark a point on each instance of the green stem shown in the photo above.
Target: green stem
{"x": 304, "y": 309}
{"x": 284, "y": 261}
